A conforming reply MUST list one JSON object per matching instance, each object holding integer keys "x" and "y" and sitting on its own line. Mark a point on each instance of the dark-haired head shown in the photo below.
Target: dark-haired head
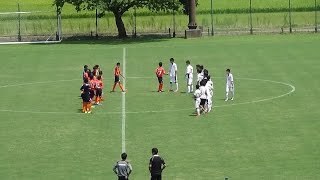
{"x": 160, "y": 64}
{"x": 118, "y": 64}
{"x": 228, "y": 70}
{"x": 124, "y": 156}
{"x": 187, "y": 62}
{"x": 154, "y": 151}
{"x": 171, "y": 60}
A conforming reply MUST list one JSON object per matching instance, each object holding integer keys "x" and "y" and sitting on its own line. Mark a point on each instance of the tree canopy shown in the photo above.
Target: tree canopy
{"x": 119, "y": 7}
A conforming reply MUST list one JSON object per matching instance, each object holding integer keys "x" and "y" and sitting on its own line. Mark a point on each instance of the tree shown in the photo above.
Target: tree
{"x": 119, "y": 7}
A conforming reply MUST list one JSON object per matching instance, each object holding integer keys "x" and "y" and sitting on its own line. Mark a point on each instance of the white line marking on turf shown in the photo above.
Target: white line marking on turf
{"x": 293, "y": 89}
{"x": 123, "y": 112}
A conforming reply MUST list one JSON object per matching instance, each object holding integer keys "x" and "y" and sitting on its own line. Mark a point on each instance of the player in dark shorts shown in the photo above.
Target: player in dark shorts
{"x": 159, "y": 73}
{"x": 85, "y": 95}
{"x": 117, "y": 74}
{"x": 156, "y": 165}
{"x": 123, "y": 168}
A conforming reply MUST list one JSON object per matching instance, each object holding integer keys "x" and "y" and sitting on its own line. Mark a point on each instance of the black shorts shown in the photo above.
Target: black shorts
{"x": 156, "y": 177}
{"x": 91, "y": 93}
{"x": 85, "y": 97}
{"x": 122, "y": 178}
{"x": 116, "y": 79}
{"x": 203, "y": 102}
{"x": 98, "y": 92}
{"x": 160, "y": 79}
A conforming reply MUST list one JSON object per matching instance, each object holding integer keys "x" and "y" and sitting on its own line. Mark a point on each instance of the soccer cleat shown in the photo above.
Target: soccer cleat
{"x": 89, "y": 112}
{"x": 226, "y": 100}
{"x": 85, "y": 112}
{"x": 231, "y": 99}
{"x": 176, "y": 90}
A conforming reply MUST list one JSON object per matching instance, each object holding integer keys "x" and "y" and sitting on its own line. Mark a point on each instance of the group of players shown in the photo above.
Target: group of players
{"x": 204, "y": 92}
{"x": 92, "y": 87}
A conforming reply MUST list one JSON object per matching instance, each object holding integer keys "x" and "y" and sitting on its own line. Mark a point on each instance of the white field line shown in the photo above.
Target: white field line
{"x": 123, "y": 106}
{"x": 150, "y": 111}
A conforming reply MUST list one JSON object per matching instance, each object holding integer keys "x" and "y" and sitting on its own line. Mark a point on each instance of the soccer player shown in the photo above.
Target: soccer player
{"x": 85, "y": 95}
{"x": 203, "y": 96}
{"x": 209, "y": 88}
{"x": 200, "y": 74}
{"x": 85, "y": 74}
{"x": 159, "y": 73}
{"x": 229, "y": 85}
{"x": 156, "y": 165}
{"x": 117, "y": 74}
{"x": 92, "y": 83}
{"x": 123, "y": 168}
{"x": 189, "y": 76}
{"x": 98, "y": 88}
{"x": 173, "y": 74}
{"x": 196, "y": 95}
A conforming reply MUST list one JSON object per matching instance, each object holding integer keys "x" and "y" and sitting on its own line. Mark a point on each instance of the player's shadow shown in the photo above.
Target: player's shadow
{"x": 194, "y": 115}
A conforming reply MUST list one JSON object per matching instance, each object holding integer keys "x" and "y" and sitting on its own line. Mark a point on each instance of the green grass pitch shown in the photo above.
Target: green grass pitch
{"x": 43, "y": 135}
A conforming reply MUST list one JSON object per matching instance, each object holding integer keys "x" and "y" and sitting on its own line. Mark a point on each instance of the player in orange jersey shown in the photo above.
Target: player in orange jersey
{"x": 159, "y": 73}
{"x": 92, "y": 83}
{"x": 99, "y": 87}
{"x": 117, "y": 74}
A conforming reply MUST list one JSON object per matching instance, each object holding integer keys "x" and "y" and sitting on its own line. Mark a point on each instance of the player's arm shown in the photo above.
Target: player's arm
{"x": 231, "y": 79}
{"x": 150, "y": 165}
{"x": 163, "y": 165}
{"x": 115, "y": 169}
{"x": 130, "y": 169}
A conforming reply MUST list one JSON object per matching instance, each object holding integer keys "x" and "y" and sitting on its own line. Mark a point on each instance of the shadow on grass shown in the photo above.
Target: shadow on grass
{"x": 112, "y": 40}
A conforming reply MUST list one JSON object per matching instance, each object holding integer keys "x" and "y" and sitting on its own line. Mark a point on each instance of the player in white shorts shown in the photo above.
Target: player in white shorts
{"x": 209, "y": 88}
{"x": 189, "y": 76}
{"x": 196, "y": 95}
{"x": 229, "y": 85}
{"x": 173, "y": 74}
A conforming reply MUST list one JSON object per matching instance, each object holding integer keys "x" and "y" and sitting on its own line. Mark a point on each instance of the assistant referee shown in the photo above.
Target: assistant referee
{"x": 122, "y": 168}
{"x": 156, "y": 165}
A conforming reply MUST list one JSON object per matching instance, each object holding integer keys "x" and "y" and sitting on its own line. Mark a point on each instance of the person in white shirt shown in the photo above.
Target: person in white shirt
{"x": 200, "y": 74}
{"x": 196, "y": 95}
{"x": 173, "y": 74}
{"x": 229, "y": 85}
{"x": 209, "y": 88}
{"x": 189, "y": 77}
{"x": 203, "y": 97}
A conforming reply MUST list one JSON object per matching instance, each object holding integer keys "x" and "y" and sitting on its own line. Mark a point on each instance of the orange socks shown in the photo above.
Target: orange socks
{"x": 84, "y": 107}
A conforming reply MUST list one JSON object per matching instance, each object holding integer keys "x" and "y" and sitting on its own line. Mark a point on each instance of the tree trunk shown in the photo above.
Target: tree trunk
{"x": 120, "y": 25}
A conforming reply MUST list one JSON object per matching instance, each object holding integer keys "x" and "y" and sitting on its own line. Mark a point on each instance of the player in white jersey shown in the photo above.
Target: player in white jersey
{"x": 173, "y": 74}
{"x": 203, "y": 97}
{"x": 189, "y": 76}
{"x": 229, "y": 85}
{"x": 196, "y": 95}
{"x": 209, "y": 88}
{"x": 200, "y": 74}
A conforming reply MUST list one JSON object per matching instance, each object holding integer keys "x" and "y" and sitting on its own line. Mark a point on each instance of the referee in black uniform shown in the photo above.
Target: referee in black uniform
{"x": 156, "y": 165}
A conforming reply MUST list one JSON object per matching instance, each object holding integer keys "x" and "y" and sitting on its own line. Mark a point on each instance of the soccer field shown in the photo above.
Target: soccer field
{"x": 270, "y": 131}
